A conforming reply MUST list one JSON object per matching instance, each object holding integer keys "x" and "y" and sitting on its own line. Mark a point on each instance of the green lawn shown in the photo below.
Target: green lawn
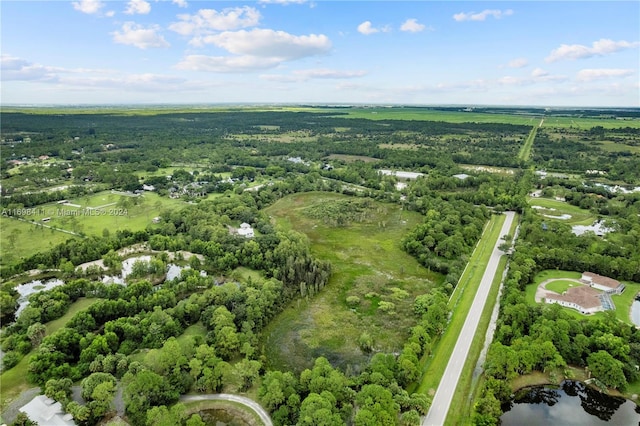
{"x": 460, "y": 303}
{"x": 368, "y": 266}
{"x": 525, "y": 151}
{"x": 29, "y": 239}
{"x": 120, "y": 212}
{"x": 433, "y": 115}
{"x": 557, "y": 208}
{"x": 560, "y": 286}
{"x": 14, "y": 381}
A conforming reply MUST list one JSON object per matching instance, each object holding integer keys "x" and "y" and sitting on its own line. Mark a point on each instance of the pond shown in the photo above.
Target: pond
{"x": 571, "y": 404}
{"x": 635, "y": 311}
{"x": 27, "y": 289}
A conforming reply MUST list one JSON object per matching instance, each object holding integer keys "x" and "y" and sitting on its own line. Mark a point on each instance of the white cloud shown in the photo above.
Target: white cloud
{"x": 320, "y": 73}
{"x": 367, "y": 28}
{"x": 512, "y": 81}
{"x": 208, "y": 20}
{"x": 139, "y": 36}
{"x": 227, "y": 64}
{"x": 88, "y": 6}
{"x": 139, "y": 82}
{"x": 518, "y": 63}
{"x": 180, "y": 3}
{"x": 411, "y": 25}
{"x": 18, "y": 69}
{"x": 602, "y": 73}
{"x": 255, "y": 50}
{"x": 473, "y": 16}
{"x": 140, "y": 7}
{"x": 598, "y": 48}
{"x": 539, "y": 72}
{"x": 270, "y": 43}
{"x": 328, "y": 73}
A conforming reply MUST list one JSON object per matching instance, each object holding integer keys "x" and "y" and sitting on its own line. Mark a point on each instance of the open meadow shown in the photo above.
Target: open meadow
{"x": 371, "y": 290}
{"x": 562, "y": 211}
{"x": 42, "y": 227}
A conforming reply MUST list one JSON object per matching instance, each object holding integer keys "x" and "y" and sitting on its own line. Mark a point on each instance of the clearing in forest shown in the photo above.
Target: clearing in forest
{"x": 368, "y": 301}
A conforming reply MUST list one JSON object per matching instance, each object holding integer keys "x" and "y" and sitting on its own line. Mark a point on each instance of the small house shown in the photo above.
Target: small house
{"x": 45, "y": 411}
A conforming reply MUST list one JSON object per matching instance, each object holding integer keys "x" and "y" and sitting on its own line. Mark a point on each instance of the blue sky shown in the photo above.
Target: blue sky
{"x": 572, "y": 53}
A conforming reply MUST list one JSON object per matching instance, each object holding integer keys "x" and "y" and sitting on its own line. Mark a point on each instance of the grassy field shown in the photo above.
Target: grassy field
{"x": 29, "y": 239}
{"x": 558, "y": 208}
{"x": 368, "y": 267}
{"x": 525, "y": 151}
{"x": 460, "y": 303}
{"x": 560, "y": 286}
{"x": 109, "y": 211}
{"x": 14, "y": 381}
{"x": 588, "y": 123}
{"x": 433, "y": 115}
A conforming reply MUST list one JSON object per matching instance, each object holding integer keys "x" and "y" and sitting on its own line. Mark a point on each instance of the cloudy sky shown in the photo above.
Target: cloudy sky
{"x": 548, "y": 53}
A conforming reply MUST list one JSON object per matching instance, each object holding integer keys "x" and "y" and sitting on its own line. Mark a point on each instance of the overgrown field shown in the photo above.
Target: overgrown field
{"x": 554, "y": 210}
{"x": 372, "y": 288}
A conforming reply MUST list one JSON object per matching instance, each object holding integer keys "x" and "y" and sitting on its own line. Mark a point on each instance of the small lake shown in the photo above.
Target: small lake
{"x": 635, "y": 312}
{"x": 27, "y": 289}
{"x": 571, "y": 404}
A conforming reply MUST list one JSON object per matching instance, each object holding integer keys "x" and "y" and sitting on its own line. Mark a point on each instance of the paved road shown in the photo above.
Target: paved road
{"x": 442, "y": 399}
{"x": 264, "y": 416}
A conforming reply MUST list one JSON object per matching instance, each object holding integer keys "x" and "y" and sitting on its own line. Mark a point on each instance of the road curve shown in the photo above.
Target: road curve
{"x": 264, "y": 416}
{"x": 442, "y": 399}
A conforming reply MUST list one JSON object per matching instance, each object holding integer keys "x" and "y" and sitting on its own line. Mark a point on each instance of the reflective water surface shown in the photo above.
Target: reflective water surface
{"x": 572, "y": 404}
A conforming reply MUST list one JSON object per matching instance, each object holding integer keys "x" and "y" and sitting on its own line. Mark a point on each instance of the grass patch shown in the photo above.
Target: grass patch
{"x": 557, "y": 208}
{"x": 243, "y": 274}
{"x": 119, "y": 212}
{"x": 624, "y": 301}
{"x": 525, "y": 151}
{"x": 423, "y": 114}
{"x": 14, "y": 381}
{"x": 372, "y": 287}
{"x": 560, "y": 286}
{"x": 460, "y": 303}
{"x": 29, "y": 239}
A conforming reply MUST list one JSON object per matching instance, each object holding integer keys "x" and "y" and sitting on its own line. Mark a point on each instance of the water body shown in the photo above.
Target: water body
{"x": 27, "y": 289}
{"x": 635, "y": 312}
{"x": 572, "y": 404}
